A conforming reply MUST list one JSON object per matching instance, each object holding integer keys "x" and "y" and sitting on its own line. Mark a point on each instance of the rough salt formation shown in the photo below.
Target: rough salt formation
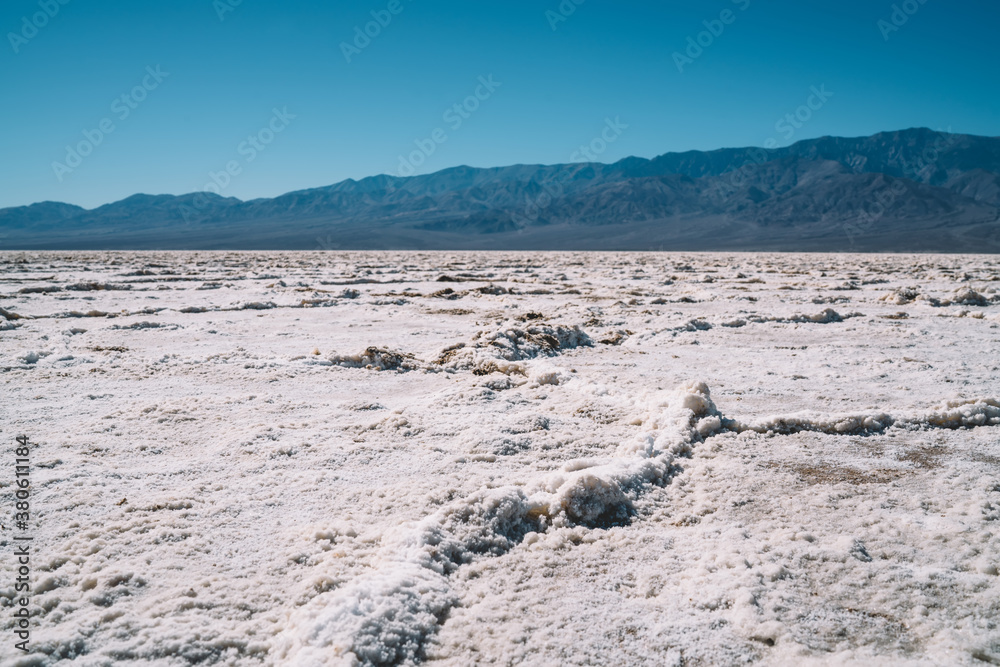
{"x": 565, "y": 458}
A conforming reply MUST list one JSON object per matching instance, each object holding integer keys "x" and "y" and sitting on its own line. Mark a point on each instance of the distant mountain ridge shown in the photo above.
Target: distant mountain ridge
{"x": 910, "y": 190}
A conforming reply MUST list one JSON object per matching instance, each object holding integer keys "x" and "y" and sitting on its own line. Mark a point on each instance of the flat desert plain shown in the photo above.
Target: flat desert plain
{"x": 350, "y": 458}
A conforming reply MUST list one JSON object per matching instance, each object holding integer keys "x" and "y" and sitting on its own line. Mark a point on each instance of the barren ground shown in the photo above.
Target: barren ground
{"x": 504, "y": 458}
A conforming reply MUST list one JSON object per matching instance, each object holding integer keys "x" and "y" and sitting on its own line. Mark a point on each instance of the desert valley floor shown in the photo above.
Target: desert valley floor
{"x": 348, "y": 458}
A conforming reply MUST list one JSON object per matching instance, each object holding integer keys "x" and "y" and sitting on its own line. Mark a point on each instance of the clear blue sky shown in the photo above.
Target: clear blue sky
{"x": 557, "y": 85}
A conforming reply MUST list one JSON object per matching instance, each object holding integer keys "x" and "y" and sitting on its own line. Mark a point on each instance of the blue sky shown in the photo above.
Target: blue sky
{"x": 265, "y": 89}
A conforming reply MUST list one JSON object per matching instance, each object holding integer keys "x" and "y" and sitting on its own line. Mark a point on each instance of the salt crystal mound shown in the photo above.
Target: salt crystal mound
{"x": 963, "y": 414}
{"x": 374, "y": 358}
{"x": 30, "y": 357}
{"x": 387, "y": 616}
{"x": 8, "y": 320}
{"x": 497, "y": 351}
{"x": 826, "y": 316}
{"x": 902, "y": 296}
{"x": 967, "y": 296}
{"x": 142, "y": 325}
{"x": 964, "y": 296}
{"x": 954, "y": 414}
{"x": 254, "y": 305}
{"x": 500, "y": 349}
{"x": 93, "y": 286}
{"x": 379, "y": 620}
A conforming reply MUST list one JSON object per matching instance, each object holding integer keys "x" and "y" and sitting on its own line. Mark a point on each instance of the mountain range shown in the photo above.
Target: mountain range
{"x": 909, "y": 190}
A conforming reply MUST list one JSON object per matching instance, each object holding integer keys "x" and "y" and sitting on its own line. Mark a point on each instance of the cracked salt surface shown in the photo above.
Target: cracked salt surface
{"x": 530, "y": 469}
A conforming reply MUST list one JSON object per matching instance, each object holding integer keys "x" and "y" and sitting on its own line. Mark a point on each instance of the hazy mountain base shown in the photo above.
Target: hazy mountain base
{"x": 481, "y": 458}
{"x": 679, "y": 234}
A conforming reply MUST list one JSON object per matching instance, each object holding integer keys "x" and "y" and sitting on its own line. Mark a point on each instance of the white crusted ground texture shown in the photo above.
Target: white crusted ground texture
{"x": 504, "y": 458}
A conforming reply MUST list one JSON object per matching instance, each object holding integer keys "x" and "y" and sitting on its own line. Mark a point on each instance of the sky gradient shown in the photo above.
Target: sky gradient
{"x": 254, "y": 98}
